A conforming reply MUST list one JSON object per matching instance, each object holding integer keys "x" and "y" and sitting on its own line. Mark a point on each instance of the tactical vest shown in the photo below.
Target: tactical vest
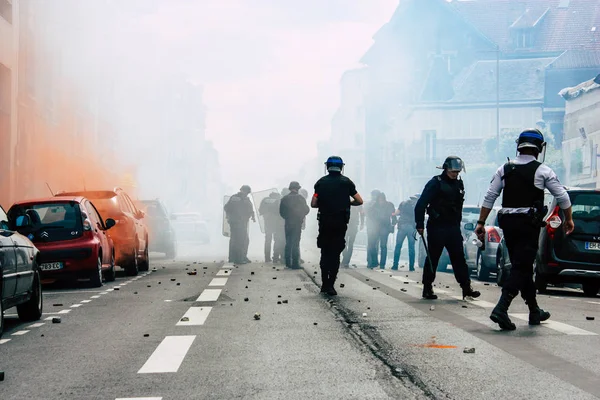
{"x": 448, "y": 204}
{"x": 519, "y": 186}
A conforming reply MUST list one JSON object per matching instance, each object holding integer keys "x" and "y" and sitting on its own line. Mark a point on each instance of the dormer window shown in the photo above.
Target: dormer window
{"x": 523, "y": 38}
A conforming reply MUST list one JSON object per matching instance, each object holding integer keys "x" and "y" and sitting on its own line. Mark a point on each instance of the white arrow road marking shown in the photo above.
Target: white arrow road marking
{"x": 169, "y": 355}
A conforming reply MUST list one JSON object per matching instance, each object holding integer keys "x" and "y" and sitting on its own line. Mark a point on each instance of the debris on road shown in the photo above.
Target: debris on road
{"x": 469, "y": 350}
{"x": 278, "y": 296}
{"x": 314, "y": 323}
{"x": 178, "y": 283}
{"x": 590, "y": 318}
{"x": 464, "y": 306}
{"x": 116, "y": 288}
{"x": 151, "y": 285}
{"x": 298, "y": 288}
{"x": 185, "y": 319}
{"x": 192, "y": 273}
{"x": 245, "y": 299}
{"x": 364, "y": 314}
{"x": 56, "y": 320}
{"x": 342, "y": 285}
{"x": 57, "y": 305}
{"x": 432, "y": 308}
{"x": 403, "y": 290}
{"x": 135, "y": 293}
{"x": 251, "y": 272}
{"x": 204, "y": 267}
{"x": 172, "y": 279}
{"x": 146, "y": 335}
{"x": 367, "y": 279}
{"x": 274, "y": 277}
{"x": 279, "y": 302}
{"x": 285, "y": 301}
{"x": 1, "y": 376}
{"x": 257, "y": 316}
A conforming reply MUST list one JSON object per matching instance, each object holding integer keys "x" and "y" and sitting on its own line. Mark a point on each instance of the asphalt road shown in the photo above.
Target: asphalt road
{"x": 170, "y": 335}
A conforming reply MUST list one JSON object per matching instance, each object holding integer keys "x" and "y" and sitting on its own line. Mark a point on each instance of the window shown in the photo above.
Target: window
{"x": 523, "y": 38}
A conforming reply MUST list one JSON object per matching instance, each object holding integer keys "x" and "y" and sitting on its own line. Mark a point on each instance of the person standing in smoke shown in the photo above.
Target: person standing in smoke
{"x": 334, "y": 195}
{"x": 356, "y": 215}
{"x": 269, "y": 210}
{"x": 384, "y": 220}
{"x": 406, "y": 230}
{"x": 304, "y": 193}
{"x": 239, "y": 211}
{"x": 293, "y": 209}
{"x": 372, "y": 231}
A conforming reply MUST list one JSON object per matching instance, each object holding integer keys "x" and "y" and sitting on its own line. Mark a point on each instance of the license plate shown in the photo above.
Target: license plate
{"x": 592, "y": 246}
{"x": 51, "y": 266}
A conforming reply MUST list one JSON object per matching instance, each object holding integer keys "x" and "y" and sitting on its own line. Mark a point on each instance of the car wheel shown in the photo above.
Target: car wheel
{"x": 96, "y": 278}
{"x": 541, "y": 283}
{"x": 483, "y": 274}
{"x": 133, "y": 268}
{"x": 111, "y": 274}
{"x": 145, "y": 263}
{"x": 32, "y": 309}
{"x": 591, "y": 289}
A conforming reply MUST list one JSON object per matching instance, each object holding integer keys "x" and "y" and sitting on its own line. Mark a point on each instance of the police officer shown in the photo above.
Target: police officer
{"x": 304, "y": 193}
{"x": 293, "y": 210}
{"x": 239, "y": 210}
{"x": 269, "y": 210}
{"x": 356, "y": 216}
{"x": 406, "y": 230}
{"x": 443, "y": 197}
{"x": 334, "y": 194}
{"x": 372, "y": 230}
{"x": 522, "y": 182}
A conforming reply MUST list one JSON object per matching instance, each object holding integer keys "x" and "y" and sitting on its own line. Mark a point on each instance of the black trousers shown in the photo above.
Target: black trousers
{"x": 350, "y": 238}
{"x": 331, "y": 241}
{"x": 238, "y": 241}
{"x": 450, "y": 237}
{"x": 521, "y": 238}
{"x": 293, "y": 232}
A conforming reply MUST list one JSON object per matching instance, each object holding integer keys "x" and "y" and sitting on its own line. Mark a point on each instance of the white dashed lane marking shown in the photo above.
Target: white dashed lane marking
{"x": 19, "y": 333}
{"x": 76, "y": 305}
{"x": 139, "y": 398}
{"x": 218, "y": 282}
{"x": 85, "y": 301}
{"x": 64, "y": 312}
{"x": 168, "y": 356}
{"x": 36, "y": 325}
{"x": 2, "y": 341}
{"x": 209, "y": 295}
{"x": 195, "y": 316}
{"x": 557, "y": 326}
{"x": 224, "y": 272}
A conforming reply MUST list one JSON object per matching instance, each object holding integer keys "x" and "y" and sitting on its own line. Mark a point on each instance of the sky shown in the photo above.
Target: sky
{"x": 270, "y": 69}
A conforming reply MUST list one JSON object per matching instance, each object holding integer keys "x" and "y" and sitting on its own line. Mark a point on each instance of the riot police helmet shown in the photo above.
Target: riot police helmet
{"x": 294, "y": 186}
{"x": 531, "y": 139}
{"x": 453, "y": 164}
{"x": 246, "y": 189}
{"x": 334, "y": 164}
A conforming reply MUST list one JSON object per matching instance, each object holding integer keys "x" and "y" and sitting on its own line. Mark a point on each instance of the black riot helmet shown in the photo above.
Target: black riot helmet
{"x": 246, "y": 189}
{"x": 453, "y": 164}
{"x": 531, "y": 138}
{"x": 335, "y": 164}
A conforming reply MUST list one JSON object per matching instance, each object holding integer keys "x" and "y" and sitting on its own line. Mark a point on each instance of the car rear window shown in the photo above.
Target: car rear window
{"x": 586, "y": 211}
{"x": 51, "y": 215}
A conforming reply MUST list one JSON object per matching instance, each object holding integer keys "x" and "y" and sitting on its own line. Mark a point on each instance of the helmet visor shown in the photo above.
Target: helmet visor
{"x": 455, "y": 165}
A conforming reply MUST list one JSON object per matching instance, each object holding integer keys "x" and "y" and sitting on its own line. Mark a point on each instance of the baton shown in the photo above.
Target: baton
{"x": 427, "y": 252}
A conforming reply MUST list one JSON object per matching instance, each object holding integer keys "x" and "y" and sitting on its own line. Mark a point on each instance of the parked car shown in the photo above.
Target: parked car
{"x": 20, "y": 281}
{"x": 190, "y": 228}
{"x": 71, "y": 236}
{"x": 483, "y": 262}
{"x": 130, "y": 235}
{"x": 574, "y": 258}
{"x": 503, "y": 264}
{"x": 162, "y": 235}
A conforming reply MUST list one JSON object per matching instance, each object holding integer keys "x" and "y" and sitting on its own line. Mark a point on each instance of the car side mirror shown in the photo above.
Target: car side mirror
{"x": 109, "y": 223}
{"x": 469, "y": 227}
{"x": 23, "y": 221}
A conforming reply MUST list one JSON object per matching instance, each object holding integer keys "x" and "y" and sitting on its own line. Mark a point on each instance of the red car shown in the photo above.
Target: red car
{"x": 71, "y": 237}
{"x": 130, "y": 234}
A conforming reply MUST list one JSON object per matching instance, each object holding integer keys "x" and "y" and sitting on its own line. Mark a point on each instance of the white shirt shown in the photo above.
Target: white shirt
{"x": 544, "y": 178}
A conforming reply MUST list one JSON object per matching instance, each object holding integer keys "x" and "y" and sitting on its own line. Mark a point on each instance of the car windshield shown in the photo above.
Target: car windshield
{"x": 51, "y": 215}
{"x": 586, "y": 212}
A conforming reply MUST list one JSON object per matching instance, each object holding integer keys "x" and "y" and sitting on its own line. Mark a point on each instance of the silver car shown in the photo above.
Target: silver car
{"x": 483, "y": 260}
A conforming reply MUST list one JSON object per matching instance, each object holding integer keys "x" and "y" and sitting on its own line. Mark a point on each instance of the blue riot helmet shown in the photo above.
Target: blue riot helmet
{"x": 335, "y": 164}
{"x": 532, "y": 139}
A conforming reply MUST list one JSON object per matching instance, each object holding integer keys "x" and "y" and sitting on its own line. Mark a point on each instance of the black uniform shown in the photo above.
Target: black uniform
{"x": 269, "y": 210}
{"x": 293, "y": 209}
{"x": 333, "y": 194}
{"x": 443, "y": 198}
{"x": 239, "y": 210}
{"x": 356, "y": 217}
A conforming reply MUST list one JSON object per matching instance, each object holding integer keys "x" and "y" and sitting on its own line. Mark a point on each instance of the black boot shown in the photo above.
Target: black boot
{"x": 428, "y": 292}
{"x": 325, "y": 280}
{"x": 500, "y": 312}
{"x": 331, "y": 290}
{"x": 536, "y": 314}
{"x": 469, "y": 292}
